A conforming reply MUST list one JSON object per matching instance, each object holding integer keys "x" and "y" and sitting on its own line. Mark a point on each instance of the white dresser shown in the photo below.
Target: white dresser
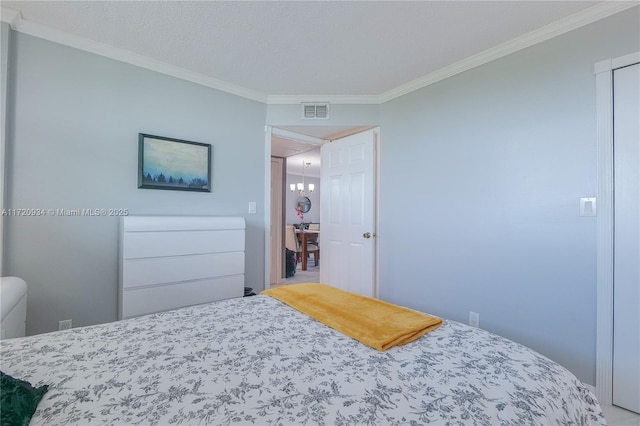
{"x": 168, "y": 262}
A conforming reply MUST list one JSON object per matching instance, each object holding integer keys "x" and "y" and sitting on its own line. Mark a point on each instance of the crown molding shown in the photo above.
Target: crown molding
{"x": 600, "y": 11}
{"x": 10, "y": 16}
{"x": 18, "y": 23}
{"x": 332, "y": 99}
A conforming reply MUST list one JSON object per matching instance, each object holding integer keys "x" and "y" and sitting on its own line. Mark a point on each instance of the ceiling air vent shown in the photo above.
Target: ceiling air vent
{"x": 315, "y": 111}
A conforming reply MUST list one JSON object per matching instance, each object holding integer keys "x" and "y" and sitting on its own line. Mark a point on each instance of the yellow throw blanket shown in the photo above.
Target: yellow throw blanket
{"x": 373, "y": 322}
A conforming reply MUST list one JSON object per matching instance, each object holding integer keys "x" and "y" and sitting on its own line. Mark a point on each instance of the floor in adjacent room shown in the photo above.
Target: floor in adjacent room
{"x": 311, "y": 275}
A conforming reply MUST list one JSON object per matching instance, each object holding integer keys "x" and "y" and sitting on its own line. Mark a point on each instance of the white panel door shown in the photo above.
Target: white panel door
{"x": 347, "y": 216}
{"x": 626, "y": 263}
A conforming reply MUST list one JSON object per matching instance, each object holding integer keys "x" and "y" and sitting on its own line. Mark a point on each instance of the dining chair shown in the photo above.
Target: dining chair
{"x": 293, "y": 244}
{"x": 315, "y": 239}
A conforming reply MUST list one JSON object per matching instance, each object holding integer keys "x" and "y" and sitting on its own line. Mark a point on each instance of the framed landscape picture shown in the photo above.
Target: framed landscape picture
{"x": 167, "y": 163}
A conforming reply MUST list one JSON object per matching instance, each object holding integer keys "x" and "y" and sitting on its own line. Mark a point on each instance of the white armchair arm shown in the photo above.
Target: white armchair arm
{"x": 13, "y": 307}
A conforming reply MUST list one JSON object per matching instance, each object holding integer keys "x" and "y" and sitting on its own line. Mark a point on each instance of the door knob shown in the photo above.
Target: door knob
{"x": 367, "y": 235}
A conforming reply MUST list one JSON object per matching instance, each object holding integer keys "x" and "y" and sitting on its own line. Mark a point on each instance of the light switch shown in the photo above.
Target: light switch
{"x": 252, "y": 207}
{"x": 587, "y": 206}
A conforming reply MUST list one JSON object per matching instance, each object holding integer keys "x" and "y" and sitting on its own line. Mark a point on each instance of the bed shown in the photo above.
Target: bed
{"x": 257, "y": 361}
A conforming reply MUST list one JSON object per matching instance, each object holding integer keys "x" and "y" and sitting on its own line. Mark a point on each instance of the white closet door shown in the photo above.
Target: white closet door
{"x": 626, "y": 318}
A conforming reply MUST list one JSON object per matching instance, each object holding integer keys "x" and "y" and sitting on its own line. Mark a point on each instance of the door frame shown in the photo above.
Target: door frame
{"x": 267, "y": 206}
{"x": 604, "y": 278}
{"x": 277, "y": 220}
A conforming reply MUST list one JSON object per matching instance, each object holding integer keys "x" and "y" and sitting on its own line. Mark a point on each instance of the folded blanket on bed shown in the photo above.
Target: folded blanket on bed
{"x": 373, "y": 322}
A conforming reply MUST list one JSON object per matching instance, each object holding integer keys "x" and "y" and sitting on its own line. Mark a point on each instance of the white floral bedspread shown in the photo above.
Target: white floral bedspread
{"x": 256, "y": 361}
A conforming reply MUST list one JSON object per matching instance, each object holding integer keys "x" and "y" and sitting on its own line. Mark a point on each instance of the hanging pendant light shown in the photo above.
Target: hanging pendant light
{"x": 300, "y": 185}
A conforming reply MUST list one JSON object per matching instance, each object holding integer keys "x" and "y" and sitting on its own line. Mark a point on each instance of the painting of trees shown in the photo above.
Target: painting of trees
{"x": 166, "y": 163}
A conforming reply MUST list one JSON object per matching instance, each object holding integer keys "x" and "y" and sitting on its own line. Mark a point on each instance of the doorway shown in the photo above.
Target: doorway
{"x": 300, "y": 142}
{"x": 302, "y": 214}
{"x": 300, "y": 156}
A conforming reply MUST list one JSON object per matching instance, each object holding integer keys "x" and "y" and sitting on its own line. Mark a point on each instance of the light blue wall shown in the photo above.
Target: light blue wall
{"x": 74, "y": 121}
{"x": 481, "y": 176}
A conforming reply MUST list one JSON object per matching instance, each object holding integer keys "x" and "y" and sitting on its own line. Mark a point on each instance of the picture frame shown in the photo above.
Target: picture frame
{"x": 173, "y": 164}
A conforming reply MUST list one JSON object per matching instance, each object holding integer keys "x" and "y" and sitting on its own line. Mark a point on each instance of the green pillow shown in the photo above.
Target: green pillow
{"x": 19, "y": 400}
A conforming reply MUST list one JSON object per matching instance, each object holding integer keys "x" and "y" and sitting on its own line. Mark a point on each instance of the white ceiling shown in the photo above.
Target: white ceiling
{"x": 345, "y": 48}
{"x": 287, "y": 147}
{"x": 295, "y": 163}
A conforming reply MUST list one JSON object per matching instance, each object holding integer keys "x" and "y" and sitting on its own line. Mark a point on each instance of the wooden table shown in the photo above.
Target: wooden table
{"x": 303, "y": 241}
